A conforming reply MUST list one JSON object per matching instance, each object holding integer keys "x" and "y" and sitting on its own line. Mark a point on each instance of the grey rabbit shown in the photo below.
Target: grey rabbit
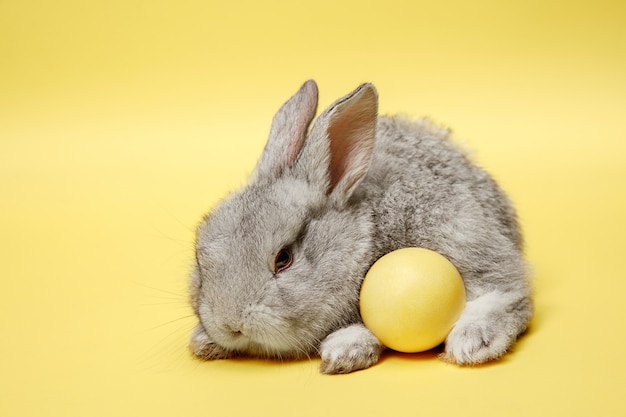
{"x": 279, "y": 264}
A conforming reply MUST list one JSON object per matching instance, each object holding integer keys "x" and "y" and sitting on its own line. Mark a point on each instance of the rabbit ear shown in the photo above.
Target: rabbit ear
{"x": 342, "y": 143}
{"x": 288, "y": 132}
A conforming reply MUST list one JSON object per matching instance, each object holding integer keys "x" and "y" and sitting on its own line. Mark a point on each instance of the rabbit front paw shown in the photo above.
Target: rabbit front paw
{"x": 349, "y": 349}
{"x": 203, "y": 348}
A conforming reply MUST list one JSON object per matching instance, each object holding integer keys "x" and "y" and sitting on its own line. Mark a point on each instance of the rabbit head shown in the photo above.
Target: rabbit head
{"x": 280, "y": 262}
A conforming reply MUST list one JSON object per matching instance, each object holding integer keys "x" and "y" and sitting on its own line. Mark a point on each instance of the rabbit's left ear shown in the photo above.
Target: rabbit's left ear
{"x": 339, "y": 149}
{"x": 288, "y": 133}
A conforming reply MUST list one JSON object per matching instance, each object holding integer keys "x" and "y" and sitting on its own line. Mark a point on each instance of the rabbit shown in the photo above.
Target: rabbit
{"x": 279, "y": 264}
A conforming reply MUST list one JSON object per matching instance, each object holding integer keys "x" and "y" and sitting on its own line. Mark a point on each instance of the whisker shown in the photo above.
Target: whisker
{"x": 184, "y": 296}
{"x": 172, "y": 321}
{"x": 162, "y": 303}
{"x": 178, "y": 220}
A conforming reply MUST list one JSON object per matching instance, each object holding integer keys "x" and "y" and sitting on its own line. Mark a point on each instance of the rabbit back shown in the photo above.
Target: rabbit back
{"x": 425, "y": 191}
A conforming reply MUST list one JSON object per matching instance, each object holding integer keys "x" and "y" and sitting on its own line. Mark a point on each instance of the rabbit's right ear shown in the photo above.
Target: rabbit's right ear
{"x": 288, "y": 133}
{"x": 340, "y": 146}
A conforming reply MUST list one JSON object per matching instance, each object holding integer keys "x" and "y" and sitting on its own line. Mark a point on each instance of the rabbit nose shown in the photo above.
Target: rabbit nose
{"x": 233, "y": 329}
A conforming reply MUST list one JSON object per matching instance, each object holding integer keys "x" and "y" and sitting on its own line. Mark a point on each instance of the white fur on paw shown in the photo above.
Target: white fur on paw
{"x": 481, "y": 333}
{"x": 349, "y": 349}
{"x": 203, "y": 348}
{"x": 473, "y": 344}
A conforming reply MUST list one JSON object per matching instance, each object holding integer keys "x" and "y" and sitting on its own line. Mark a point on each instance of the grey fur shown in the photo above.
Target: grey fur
{"x": 353, "y": 188}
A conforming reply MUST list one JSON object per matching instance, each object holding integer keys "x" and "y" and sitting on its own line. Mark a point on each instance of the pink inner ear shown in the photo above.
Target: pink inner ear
{"x": 339, "y": 150}
{"x": 351, "y": 133}
{"x": 295, "y": 145}
{"x": 287, "y": 134}
{"x": 305, "y": 111}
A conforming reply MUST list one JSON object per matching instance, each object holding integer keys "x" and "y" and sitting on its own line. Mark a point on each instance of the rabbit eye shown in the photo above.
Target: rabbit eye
{"x": 283, "y": 260}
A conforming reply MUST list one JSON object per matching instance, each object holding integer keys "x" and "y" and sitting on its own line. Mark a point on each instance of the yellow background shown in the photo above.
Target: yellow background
{"x": 122, "y": 121}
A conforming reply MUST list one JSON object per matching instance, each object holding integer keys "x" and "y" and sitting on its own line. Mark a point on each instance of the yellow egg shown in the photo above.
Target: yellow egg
{"x": 411, "y": 298}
